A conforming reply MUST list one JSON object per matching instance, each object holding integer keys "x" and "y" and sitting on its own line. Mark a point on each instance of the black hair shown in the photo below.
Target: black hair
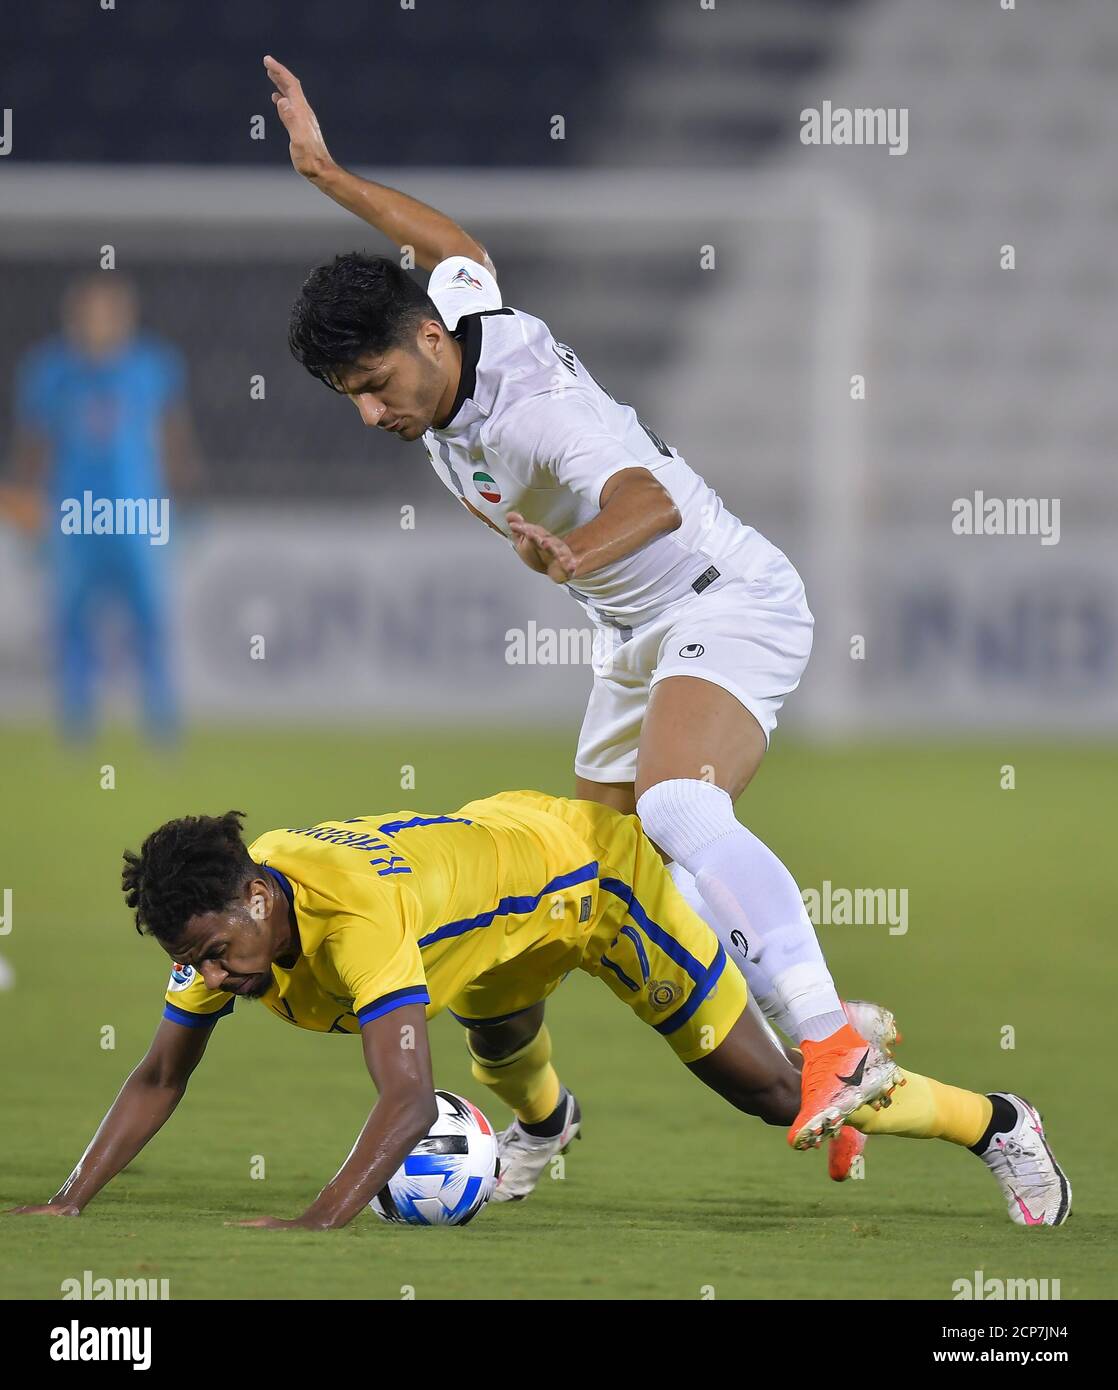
{"x": 356, "y": 304}
{"x": 193, "y": 865}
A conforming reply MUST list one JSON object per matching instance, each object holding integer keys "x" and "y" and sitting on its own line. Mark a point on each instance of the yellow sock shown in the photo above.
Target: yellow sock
{"x": 927, "y": 1109}
{"x": 525, "y": 1080}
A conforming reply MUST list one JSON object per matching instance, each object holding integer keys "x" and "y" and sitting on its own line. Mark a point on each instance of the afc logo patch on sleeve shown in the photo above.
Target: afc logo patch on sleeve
{"x": 181, "y": 976}
{"x": 463, "y": 277}
{"x": 584, "y": 908}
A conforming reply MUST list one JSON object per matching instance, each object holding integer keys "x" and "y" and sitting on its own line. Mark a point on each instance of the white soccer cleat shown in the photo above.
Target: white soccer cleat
{"x": 1036, "y": 1191}
{"x": 524, "y": 1157}
{"x": 875, "y": 1023}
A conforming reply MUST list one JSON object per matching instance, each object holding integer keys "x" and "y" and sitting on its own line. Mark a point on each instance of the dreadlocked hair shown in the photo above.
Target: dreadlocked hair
{"x": 193, "y": 865}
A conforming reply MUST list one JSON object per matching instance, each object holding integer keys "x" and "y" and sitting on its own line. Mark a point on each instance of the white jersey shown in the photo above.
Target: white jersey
{"x": 531, "y": 431}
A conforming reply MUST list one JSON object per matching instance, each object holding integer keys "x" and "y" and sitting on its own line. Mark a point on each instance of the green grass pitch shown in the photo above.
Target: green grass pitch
{"x": 671, "y": 1192}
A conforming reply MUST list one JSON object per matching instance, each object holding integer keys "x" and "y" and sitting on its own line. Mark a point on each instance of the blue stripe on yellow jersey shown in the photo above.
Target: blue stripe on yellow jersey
{"x": 483, "y": 911}
{"x": 403, "y": 908}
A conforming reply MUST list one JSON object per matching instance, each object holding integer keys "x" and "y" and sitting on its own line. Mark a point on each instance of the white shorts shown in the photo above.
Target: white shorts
{"x": 750, "y": 636}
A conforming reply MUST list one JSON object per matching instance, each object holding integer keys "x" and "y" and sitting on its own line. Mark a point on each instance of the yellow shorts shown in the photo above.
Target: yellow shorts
{"x": 641, "y": 938}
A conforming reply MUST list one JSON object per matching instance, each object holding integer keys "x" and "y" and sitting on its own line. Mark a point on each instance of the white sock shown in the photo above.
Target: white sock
{"x": 738, "y": 876}
{"x": 762, "y": 991}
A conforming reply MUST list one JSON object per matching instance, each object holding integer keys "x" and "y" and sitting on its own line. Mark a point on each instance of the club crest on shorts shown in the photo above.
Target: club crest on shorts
{"x": 662, "y": 994}
{"x": 692, "y": 649}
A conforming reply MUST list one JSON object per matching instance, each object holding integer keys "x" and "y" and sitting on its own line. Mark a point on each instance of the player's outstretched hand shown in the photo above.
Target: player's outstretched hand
{"x": 46, "y": 1209}
{"x": 308, "y": 149}
{"x": 541, "y": 551}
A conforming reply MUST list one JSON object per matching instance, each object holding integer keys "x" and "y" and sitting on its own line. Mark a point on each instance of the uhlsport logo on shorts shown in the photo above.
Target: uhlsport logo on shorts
{"x": 692, "y": 649}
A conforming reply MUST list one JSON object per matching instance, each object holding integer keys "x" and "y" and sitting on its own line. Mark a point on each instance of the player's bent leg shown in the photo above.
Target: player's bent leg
{"x": 496, "y": 1039}
{"x": 737, "y": 1072}
{"x": 763, "y": 995}
{"x": 751, "y": 1074}
{"x": 621, "y": 797}
{"x": 875, "y": 1023}
{"x": 512, "y": 1057}
{"x": 659, "y": 956}
{"x": 692, "y": 726}
{"x": 763, "y": 1002}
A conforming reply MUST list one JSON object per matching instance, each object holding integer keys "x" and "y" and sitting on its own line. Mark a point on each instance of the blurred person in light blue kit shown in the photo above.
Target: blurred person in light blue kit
{"x": 101, "y": 416}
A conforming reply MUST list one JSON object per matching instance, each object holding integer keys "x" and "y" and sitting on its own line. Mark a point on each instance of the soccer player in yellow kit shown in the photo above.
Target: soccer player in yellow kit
{"x": 371, "y": 925}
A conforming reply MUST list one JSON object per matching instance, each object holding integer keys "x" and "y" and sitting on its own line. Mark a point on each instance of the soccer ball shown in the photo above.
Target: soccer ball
{"x": 450, "y": 1175}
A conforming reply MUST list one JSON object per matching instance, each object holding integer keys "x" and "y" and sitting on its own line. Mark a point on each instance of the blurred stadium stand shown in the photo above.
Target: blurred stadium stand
{"x": 634, "y": 83}
{"x": 437, "y": 84}
{"x": 230, "y": 320}
{"x": 718, "y": 89}
{"x": 647, "y": 81}
{"x": 1004, "y": 116}
{"x": 682, "y": 131}
{"x": 986, "y": 378}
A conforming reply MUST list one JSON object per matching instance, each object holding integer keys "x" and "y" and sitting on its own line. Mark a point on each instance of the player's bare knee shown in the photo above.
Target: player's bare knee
{"x": 492, "y": 1042}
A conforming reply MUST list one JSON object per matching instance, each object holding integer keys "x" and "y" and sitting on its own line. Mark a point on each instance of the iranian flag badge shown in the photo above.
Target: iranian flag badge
{"x": 487, "y": 487}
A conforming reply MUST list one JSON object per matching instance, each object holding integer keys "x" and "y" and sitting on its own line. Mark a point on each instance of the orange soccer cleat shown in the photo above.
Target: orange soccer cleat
{"x": 839, "y": 1074}
{"x": 842, "y": 1150}
{"x": 877, "y": 1025}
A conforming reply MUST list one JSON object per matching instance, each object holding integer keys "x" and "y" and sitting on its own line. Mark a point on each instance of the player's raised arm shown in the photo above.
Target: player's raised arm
{"x": 405, "y": 221}
{"x": 399, "y": 1060}
{"x": 143, "y": 1106}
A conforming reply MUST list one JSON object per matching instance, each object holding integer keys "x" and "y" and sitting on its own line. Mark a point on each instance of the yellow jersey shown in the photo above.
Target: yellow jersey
{"x": 405, "y": 908}
{"x": 483, "y": 911}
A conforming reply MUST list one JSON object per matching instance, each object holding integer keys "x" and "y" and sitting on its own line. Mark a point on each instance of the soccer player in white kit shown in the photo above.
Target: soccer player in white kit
{"x": 702, "y": 624}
